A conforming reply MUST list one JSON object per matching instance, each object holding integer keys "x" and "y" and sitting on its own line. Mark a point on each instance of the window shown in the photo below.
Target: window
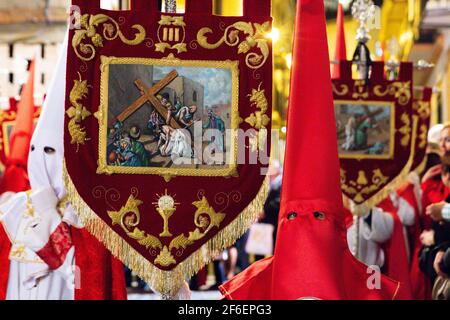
{"x": 194, "y": 96}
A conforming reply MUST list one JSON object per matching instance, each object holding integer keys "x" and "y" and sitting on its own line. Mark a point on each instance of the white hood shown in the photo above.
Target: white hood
{"x": 45, "y": 162}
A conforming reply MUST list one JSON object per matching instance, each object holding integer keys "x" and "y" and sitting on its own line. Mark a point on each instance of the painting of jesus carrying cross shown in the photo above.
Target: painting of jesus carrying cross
{"x": 163, "y": 116}
{"x": 365, "y": 130}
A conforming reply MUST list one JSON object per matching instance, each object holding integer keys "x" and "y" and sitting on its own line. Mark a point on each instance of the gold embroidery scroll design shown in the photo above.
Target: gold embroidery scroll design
{"x": 129, "y": 218}
{"x": 259, "y": 119}
{"x": 171, "y": 30}
{"x": 362, "y": 185}
{"x": 111, "y": 31}
{"x": 405, "y": 130}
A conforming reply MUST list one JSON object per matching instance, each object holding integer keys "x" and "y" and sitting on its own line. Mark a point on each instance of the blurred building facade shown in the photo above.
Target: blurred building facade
{"x": 32, "y": 28}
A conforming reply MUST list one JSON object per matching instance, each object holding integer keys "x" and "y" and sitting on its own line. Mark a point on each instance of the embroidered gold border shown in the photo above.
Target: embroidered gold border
{"x": 164, "y": 282}
{"x": 389, "y": 156}
{"x": 6, "y": 138}
{"x": 102, "y": 116}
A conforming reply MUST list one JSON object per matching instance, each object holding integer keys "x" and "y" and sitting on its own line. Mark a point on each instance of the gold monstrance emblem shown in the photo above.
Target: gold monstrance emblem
{"x": 166, "y": 206}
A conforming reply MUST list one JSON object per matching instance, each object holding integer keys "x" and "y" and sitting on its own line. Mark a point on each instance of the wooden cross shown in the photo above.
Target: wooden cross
{"x": 149, "y": 95}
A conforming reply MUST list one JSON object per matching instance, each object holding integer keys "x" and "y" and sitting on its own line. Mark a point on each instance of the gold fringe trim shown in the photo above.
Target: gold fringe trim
{"x": 360, "y": 209}
{"x": 421, "y": 167}
{"x": 166, "y": 283}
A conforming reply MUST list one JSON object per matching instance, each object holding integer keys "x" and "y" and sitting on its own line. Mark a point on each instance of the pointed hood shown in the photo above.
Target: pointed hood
{"x": 340, "y": 52}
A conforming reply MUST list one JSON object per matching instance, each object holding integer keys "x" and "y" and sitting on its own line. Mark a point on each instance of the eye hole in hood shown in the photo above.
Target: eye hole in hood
{"x": 319, "y": 215}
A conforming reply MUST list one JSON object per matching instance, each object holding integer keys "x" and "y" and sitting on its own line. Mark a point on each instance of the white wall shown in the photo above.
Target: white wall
{"x": 16, "y": 66}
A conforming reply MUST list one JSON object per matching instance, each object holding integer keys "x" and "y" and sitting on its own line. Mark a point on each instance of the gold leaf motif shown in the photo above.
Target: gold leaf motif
{"x": 165, "y": 20}
{"x": 422, "y": 108}
{"x": 405, "y": 130}
{"x": 342, "y": 91}
{"x": 18, "y": 252}
{"x": 180, "y": 47}
{"x": 203, "y": 207}
{"x": 111, "y": 31}
{"x": 178, "y": 21}
{"x": 180, "y": 242}
{"x": 255, "y": 37}
{"x": 150, "y": 241}
{"x": 128, "y": 217}
{"x": 258, "y": 98}
{"x": 165, "y": 258}
{"x": 162, "y": 46}
{"x": 360, "y": 90}
{"x": 258, "y": 120}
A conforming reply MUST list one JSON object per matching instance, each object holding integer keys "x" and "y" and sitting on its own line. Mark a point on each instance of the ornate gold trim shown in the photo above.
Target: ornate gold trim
{"x": 165, "y": 282}
{"x": 422, "y": 108}
{"x": 129, "y": 218}
{"x": 258, "y": 119}
{"x": 391, "y": 105}
{"x": 360, "y": 90}
{"x": 167, "y": 173}
{"x": 256, "y": 36}
{"x": 400, "y": 90}
{"x": 405, "y": 130}
{"x": 344, "y": 90}
{"x": 111, "y": 31}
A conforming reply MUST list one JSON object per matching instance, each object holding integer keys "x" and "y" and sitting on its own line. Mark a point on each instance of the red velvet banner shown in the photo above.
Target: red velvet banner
{"x": 166, "y": 133}
{"x": 375, "y": 130}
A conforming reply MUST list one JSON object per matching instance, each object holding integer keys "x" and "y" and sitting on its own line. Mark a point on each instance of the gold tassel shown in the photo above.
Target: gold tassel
{"x": 165, "y": 282}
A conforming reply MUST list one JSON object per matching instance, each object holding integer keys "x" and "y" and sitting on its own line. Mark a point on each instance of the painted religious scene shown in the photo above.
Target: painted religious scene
{"x": 168, "y": 116}
{"x": 364, "y": 130}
